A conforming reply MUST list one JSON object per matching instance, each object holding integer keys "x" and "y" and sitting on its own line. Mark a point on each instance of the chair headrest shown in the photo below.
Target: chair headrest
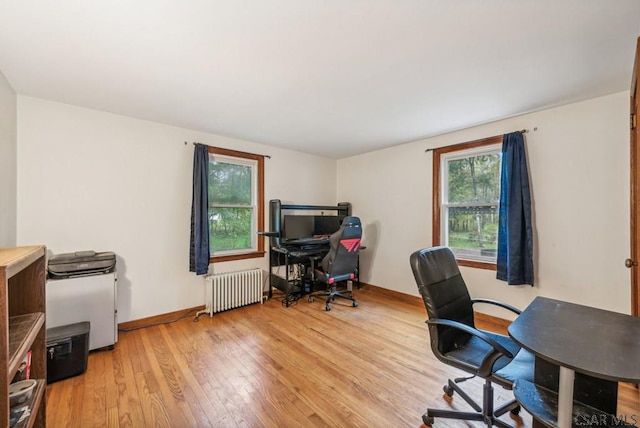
{"x": 433, "y": 265}
{"x": 351, "y": 221}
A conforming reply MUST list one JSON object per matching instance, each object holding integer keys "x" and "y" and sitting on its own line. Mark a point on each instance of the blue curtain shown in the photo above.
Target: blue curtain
{"x": 515, "y": 232}
{"x": 199, "y": 243}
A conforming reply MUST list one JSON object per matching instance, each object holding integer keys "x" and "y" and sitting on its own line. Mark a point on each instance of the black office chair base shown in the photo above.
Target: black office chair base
{"x": 331, "y": 295}
{"x": 487, "y": 415}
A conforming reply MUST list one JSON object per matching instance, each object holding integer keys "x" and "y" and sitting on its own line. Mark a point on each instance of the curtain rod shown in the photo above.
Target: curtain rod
{"x": 264, "y": 156}
{"x": 523, "y": 131}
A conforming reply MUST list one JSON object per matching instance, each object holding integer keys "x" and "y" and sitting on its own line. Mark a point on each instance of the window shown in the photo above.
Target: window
{"x": 466, "y": 199}
{"x": 236, "y": 204}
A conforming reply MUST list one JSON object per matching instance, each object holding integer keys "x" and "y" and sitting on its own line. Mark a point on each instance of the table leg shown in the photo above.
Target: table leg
{"x": 357, "y": 278}
{"x": 565, "y": 398}
{"x": 271, "y": 255}
{"x": 286, "y": 281}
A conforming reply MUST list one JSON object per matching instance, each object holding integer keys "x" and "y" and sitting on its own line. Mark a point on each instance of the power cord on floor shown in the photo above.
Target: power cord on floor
{"x": 291, "y": 299}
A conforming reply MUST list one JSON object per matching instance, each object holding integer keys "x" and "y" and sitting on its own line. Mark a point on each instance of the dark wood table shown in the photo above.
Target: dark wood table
{"x": 581, "y": 355}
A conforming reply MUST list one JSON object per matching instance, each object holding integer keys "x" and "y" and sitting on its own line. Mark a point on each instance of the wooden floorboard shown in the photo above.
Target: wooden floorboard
{"x": 270, "y": 366}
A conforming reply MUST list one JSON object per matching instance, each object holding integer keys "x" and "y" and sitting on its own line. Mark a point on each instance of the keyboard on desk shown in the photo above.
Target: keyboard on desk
{"x": 309, "y": 241}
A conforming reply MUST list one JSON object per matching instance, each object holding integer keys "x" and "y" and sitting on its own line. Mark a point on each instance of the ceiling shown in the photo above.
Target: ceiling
{"x": 328, "y": 77}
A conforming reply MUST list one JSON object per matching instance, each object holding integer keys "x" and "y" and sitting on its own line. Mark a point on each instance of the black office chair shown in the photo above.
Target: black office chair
{"x": 341, "y": 262}
{"x": 455, "y": 340}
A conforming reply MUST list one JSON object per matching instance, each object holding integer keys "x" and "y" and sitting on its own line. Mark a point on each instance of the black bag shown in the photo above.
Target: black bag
{"x": 81, "y": 263}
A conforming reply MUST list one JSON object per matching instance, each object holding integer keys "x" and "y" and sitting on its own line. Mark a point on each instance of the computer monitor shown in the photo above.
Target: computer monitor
{"x": 298, "y": 226}
{"x": 327, "y": 224}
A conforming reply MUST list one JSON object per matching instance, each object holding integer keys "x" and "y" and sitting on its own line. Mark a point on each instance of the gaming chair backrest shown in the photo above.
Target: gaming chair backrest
{"x": 342, "y": 260}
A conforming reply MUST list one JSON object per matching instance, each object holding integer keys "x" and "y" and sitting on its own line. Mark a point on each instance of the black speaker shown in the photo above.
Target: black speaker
{"x": 275, "y": 209}
{"x": 344, "y": 207}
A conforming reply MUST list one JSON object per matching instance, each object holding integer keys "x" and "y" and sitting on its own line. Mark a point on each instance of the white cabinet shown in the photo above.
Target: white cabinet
{"x": 85, "y": 298}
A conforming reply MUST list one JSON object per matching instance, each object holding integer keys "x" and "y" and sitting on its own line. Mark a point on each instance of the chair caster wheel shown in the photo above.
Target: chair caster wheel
{"x": 515, "y": 411}
{"x": 448, "y": 390}
{"x": 327, "y": 308}
{"x": 310, "y": 299}
{"x": 355, "y": 304}
{"x": 427, "y": 420}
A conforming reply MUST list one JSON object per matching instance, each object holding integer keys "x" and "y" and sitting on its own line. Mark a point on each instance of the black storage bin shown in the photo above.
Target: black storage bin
{"x": 67, "y": 350}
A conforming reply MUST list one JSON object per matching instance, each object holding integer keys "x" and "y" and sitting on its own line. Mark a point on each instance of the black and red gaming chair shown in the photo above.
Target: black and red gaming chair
{"x": 341, "y": 262}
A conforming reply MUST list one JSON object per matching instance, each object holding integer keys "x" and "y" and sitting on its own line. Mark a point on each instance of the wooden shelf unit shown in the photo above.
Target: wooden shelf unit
{"x": 22, "y": 325}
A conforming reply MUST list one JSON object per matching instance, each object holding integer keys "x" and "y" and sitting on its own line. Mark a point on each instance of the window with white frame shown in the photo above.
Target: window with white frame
{"x": 466, "y": 200}
{"x": 235, "y": 204}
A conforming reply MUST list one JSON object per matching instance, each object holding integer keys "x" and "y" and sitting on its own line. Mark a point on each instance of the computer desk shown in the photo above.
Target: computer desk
{"x": 581, "y": 353}
{"x": 293, "y": 254}
{"x": 296, "y": 254}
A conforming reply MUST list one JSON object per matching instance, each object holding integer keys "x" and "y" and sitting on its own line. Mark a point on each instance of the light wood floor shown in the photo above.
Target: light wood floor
{"x": 264, "y": 365}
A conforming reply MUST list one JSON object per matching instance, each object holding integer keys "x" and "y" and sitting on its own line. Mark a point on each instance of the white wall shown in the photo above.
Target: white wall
{"x": 8, "y": 164}
{"x": 579, "y": 168}
{"x": 94, "y": 180}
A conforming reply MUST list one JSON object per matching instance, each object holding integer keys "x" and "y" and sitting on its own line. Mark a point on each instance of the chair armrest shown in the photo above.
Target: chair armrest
{"x": 474, "y": 331}
{"x": 486, "y": 367}
{"x": 498, "y": 303}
